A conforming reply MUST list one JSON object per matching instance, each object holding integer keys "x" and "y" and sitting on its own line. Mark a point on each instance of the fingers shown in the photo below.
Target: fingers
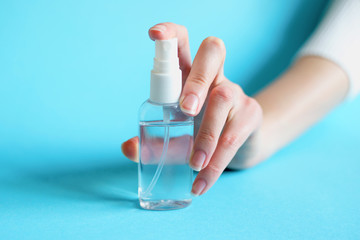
{"x": 167, "y": 30}
{"x": 240, "y": 125}
{"x": 230, "y": 116}
{"x": 207, "y": 69}
{"x": 151, "y": 152}
{"x": 215, "y": 115}
{"x": 207, "y": 66}
{"x": 130, "y": 149}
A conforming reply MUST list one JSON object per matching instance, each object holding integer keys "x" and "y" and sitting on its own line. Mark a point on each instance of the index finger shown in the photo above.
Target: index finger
{"x": 168, "y": 30}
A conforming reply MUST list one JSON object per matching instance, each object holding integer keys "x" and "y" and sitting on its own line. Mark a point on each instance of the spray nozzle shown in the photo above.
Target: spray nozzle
{"x": 166, "y": 75}
{"x": 166, "y": 50}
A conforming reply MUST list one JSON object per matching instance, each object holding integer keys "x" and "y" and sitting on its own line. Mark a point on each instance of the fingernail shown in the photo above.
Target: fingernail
{"x": 198, "y": 187}
{"x": 198, "y": 160}
{"x": 189, "y": 104}
{"x": 160, "y": 28}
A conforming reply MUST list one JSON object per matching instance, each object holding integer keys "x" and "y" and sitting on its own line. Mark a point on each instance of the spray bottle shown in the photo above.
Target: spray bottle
{"x": 166, "y": 136}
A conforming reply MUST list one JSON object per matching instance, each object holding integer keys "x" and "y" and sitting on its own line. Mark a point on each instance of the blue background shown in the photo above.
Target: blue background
{"x": 72, "y": 76}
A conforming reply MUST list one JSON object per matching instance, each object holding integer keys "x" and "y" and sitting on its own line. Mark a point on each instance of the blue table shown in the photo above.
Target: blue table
{"x": 70, "y": 73}
{"x": 309, "y": 190}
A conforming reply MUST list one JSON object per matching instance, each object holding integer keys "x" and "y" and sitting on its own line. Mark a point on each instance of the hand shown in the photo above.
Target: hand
{"x": 229, "y": 117}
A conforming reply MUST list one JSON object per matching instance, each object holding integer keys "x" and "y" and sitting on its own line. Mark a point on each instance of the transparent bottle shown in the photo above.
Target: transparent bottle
{"x": 166, "y": 136}
{"x": 166, "y": 139}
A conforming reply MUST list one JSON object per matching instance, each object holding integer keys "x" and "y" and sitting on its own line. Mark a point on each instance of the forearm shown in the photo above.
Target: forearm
{"x": 298, "y": 99}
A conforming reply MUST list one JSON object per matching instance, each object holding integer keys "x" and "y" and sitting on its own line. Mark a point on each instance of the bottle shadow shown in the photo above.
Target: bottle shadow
{"x": 115, "y": 183}
{"x": 112, "y": 184}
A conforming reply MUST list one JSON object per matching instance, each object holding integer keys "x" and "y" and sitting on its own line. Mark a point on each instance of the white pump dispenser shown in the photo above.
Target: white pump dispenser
{"x": 165, "y": 86}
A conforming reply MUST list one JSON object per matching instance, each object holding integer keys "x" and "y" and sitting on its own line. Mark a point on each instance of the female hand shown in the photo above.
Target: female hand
{"x": 229, "y": 117}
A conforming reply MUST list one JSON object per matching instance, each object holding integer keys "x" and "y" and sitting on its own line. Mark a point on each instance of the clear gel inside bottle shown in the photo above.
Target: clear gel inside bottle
{"x": 166, "y": 140}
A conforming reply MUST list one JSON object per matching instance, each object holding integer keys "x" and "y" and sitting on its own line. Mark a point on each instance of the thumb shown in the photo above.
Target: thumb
{"x": 130, "y": 149}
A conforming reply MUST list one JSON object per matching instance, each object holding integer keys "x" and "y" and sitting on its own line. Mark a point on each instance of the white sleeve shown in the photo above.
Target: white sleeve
{"x": 337, "y": 38}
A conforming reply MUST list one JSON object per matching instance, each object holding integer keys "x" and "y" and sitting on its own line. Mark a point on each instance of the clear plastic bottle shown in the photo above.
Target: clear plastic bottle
{"x": 166, "y": 137}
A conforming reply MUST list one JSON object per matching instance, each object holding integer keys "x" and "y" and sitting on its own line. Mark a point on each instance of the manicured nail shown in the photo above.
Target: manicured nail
{"x": 160, "y": 28}
{"x": 198, "y": 160}
{"x": 198, "y": 187}
{"x": 189, "y": 104}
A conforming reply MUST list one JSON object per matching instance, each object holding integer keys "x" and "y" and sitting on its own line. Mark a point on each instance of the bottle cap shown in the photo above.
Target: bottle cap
{"x": 165, "y": 86}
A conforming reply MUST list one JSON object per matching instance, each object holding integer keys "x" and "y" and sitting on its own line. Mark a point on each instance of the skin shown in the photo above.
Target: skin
{"x": 273, "y": 118}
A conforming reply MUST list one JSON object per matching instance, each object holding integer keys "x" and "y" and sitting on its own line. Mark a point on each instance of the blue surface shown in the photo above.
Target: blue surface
{"x": 72, "y": 76}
